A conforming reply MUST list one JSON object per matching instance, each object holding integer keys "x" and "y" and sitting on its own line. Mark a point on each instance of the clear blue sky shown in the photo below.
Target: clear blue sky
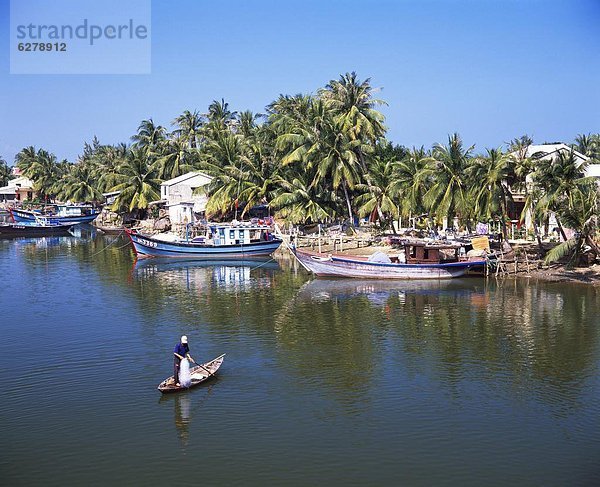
{"x": 490, "y": 70}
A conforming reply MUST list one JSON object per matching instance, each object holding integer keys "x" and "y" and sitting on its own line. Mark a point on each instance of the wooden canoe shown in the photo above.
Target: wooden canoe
{"x": 198, "y": 373}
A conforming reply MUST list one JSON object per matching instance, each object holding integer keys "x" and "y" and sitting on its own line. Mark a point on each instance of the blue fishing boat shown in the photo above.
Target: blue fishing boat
{"x": 39, "y": 228}
{"x": 72, "y": 214}
{"x": 235, "y": 240}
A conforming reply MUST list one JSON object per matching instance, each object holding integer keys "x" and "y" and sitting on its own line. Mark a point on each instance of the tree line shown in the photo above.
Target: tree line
{"x": 325, "y": 157}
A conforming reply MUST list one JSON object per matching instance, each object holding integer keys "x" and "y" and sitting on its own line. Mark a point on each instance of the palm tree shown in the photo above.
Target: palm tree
{"x": 410, "y": 182}
{"x": 25, "y": 158}
{"x": 138, "y": 183}
{"x": 177, "y": 158}
{"x": 299, "y": 202}
{"x": 352, "y": 103}
{"x": 220, "y": 118}
{"x": 522, "y": 166}
{"x": 580, "y": 214}
{"x": 377, "y": 197}
{"x": 189, "y": 125}
{"x": 225, "y": 159}
{"x": 448, "y": 194}
{"x": 150, "y": 137}
{"x": 491, "y": 192}
{"x": 42, "y": 168}
{"x": 79, "y": 184}
{"x": 557, "y": 177}
{"x": 5, "y": 172}
{"x": 588, "y": 145}
{"x": 108, "y": 159}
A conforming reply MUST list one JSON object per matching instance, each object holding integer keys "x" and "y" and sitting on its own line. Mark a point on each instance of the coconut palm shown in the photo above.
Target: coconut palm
{"x": 588, "y": 145}
{"x": 189, "y": 125}
{"x": 108, "y": 159}
{"x": 138, "y": 183}
{"x": 219, "y": 119}
{"x": 377, "y": 198}
{"x": 25, "y": 158}
{"x": 299, "y": 202}
{"x": 42, "y": 168}
{"x": 352, "y": 103}
{"x": 177, "y": 158}
{"x": 491, "y": 192}
{"x": 150, "y": 137}
{"x": 557, "y": 177}
{"x": 5, "y": 172}
{"x": 447, "y": 195}
{"x": 581, "y": 215}
{"x": 79, "y": 184}
{"x": 410, "y": 182}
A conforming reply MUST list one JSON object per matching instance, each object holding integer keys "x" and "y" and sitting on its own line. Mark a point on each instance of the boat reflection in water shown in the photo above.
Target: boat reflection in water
{"x": 221, "y": 273}
{"x": 185, "y": 405}
{"x": 379, "y": 291}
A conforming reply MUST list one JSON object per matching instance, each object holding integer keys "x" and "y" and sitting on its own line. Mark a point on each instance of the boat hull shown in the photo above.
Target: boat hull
{"x": 146, "y": 246}
{"x": 24, "y": 230}
{"x": 335, "y": 266}
{"x": 199, "y": 374}
{"x": 30, "y": 216}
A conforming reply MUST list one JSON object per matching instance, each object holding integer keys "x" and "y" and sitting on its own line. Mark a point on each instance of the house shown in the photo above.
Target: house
{"x": 178, "y": 196}
{"x": 547, "y": 152}
{"x": 18, "y": 189}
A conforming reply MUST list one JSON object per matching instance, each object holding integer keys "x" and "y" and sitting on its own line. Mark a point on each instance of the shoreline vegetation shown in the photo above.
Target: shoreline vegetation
{"x": 325, "y": 158}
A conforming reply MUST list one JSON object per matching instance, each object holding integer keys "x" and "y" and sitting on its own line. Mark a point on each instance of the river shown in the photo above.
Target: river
{"x": 329, "y": 382}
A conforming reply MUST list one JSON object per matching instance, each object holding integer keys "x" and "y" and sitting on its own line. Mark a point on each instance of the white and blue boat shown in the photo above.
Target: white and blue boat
{"x": 234, "y": 240}
{"x": 62, "y": 214}
{"x": 39, "y": 228}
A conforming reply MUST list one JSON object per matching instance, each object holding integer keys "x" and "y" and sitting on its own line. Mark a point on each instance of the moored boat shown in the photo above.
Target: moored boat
{"x": 110, "y": 229}
{"x": 417, "y": 261}
{"x": 221, "y": 241}
{"x": 72, "y": 214}
{"x": 199, "y": 374}
{"x": 34, "y": 229}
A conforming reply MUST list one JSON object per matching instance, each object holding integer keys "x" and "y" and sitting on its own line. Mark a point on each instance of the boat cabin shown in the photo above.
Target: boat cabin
{"x": 241, "y": 234}
{"x": 423, "y": 254}
{"x": 73, "y": 210}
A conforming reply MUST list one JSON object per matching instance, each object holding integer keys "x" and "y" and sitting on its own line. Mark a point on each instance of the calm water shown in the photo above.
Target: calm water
{"x": 325, "y": 382}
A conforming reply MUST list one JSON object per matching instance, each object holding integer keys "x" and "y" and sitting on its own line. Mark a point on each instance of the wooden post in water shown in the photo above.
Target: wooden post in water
{"x": 319, "y": 238}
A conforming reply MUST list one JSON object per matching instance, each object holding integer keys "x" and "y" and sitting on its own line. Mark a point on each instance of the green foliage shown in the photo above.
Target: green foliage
{"x": 324, "y": 157}
{"x": 5, "y": 172}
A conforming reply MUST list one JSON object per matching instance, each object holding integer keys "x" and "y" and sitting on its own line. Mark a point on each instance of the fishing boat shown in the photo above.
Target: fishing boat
{"x": 73, "y": 214}
{"x": 199, "y": 374}
{"x": 416, "y": 261}
{"x": 110, "y": 229}
{"x": 235, "y": 240}
{"x": 40, "y": 228}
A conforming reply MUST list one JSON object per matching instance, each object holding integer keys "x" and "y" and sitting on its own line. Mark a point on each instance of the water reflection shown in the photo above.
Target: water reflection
{"x": 185, "y": 405}
{"x": 523, "y": 336}
{"x": 190, "y": 273}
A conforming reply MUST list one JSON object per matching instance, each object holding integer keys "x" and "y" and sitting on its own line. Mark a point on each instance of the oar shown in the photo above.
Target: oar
{"x": 204, "y": 368}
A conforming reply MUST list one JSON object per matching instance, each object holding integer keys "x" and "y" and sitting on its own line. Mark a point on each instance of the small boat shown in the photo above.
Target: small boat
{"x": 417, "y": 261}
{"x": 236, "y": 240}
{"x": 199, "y": 373}
{"x": 34, "y": 229}
{"x": 73, "y": 214}
{"x": 110, "y": 229}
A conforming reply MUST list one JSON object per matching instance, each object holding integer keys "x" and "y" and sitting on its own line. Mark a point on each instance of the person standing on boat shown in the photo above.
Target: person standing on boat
{"x": 181, "y": 351}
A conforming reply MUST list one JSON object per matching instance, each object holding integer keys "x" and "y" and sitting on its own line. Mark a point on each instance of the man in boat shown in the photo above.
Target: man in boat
{"x": 181, "y": 351}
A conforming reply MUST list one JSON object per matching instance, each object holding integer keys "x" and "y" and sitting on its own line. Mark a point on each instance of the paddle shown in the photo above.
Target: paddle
{"x": 203, "y": 368}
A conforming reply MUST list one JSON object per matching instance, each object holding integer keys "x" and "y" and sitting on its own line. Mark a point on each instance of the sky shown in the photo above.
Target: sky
{"x": 490, "y": 70}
